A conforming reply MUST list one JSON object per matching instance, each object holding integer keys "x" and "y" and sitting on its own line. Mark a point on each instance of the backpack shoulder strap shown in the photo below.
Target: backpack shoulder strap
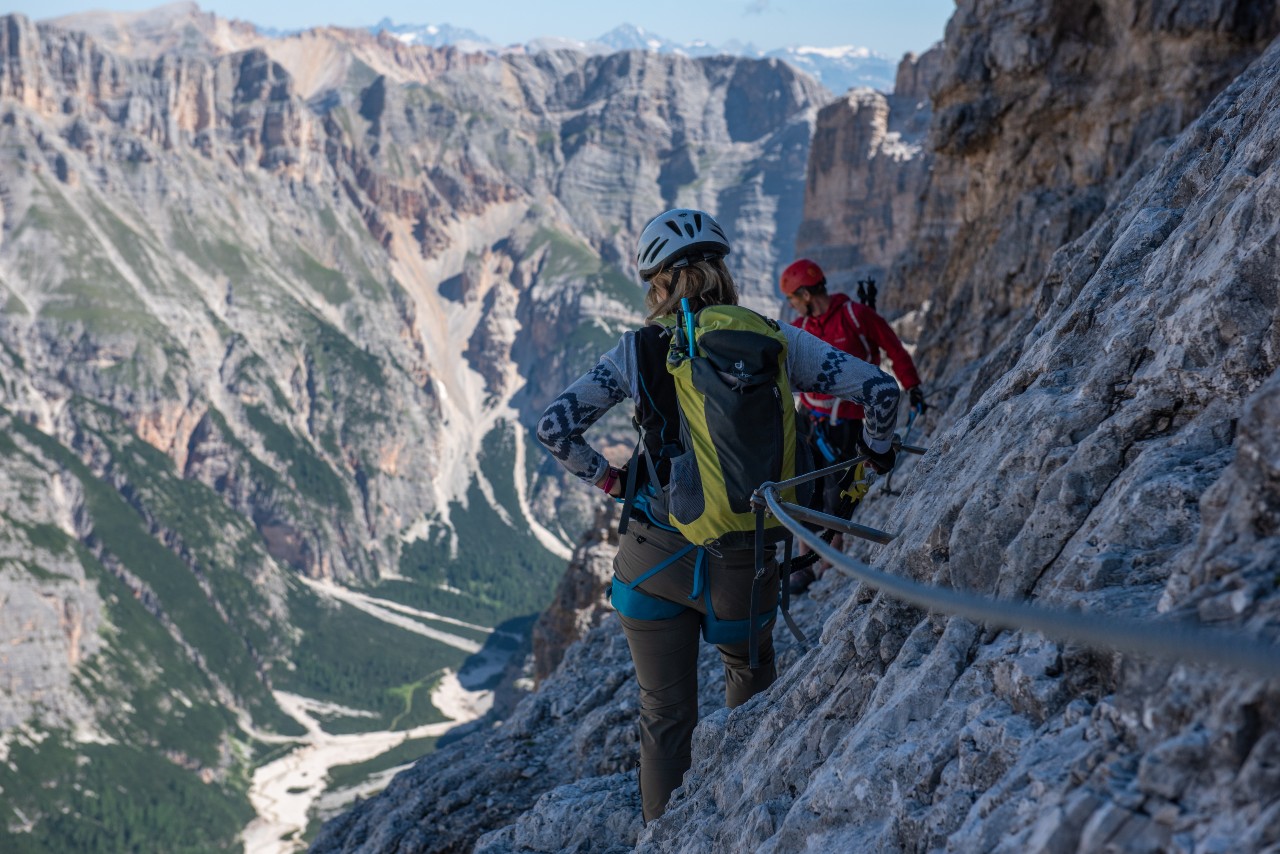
{"x": 657, "y": 419}
{"x": 853, "y": 317}
{"x": 656, "y": 407}
{"x": 857, "y": 329}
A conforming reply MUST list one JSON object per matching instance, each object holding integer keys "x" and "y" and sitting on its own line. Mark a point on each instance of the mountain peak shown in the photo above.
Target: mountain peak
{"x": 630, "y": 37}
{"x": 181, "y": 27}
{"x": 437, "y": 35}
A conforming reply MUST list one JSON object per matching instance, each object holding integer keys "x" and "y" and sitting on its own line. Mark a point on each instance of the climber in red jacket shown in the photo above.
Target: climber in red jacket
{"x": 855, "y": 328}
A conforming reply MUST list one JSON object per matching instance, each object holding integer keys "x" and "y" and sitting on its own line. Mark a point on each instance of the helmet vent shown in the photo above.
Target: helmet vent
{"x": 697, "y": 221}
{"x": 671, "y": 225}
{"x": 651, "y": 251}
{"x": 688, "y": 229}
{"x": 648, "y": 251}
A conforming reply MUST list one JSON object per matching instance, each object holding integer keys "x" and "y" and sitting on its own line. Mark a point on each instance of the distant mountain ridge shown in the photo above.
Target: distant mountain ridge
{"x": 170, "y": 27}
{"x": 837, "y": 68}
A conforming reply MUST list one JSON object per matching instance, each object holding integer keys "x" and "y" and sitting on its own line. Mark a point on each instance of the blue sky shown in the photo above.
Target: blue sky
{"x": 892, "y": 27}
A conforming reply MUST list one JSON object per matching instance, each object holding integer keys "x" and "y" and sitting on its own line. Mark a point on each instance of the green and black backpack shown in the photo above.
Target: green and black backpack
{"x": 723, "y": 424}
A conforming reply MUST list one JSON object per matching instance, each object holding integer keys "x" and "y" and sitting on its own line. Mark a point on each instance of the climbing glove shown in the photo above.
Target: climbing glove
{"x": 916, "y": 396}
{"x": 881, "y": 462}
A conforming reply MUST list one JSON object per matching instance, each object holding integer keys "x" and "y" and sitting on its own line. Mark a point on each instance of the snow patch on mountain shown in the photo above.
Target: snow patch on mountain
{"x": 435, "y": 35}
{"x": 844, "y": 52}
{"x": 839, "y": 68}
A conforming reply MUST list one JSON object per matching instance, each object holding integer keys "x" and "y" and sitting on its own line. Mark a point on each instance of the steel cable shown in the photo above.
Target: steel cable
{"x": 1181, "y": 642}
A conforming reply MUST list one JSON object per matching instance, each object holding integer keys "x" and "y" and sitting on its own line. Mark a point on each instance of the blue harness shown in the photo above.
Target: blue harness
{"x": 630, "y": 601}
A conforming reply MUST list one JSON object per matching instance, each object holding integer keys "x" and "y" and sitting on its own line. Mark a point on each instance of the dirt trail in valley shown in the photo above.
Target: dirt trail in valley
{"x": 283, "y": 791}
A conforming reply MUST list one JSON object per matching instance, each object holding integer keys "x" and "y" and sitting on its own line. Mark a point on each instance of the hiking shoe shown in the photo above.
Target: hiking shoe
{"x": 801, "y": 579}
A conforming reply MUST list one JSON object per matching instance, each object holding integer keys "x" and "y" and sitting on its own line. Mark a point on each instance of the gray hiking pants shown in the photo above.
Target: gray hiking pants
{"x": 665, "y": 652}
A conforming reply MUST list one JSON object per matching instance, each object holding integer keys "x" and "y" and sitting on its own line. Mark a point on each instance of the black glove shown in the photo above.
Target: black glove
{"x": 916, "y": 396}
{"x": 881, "y": 462}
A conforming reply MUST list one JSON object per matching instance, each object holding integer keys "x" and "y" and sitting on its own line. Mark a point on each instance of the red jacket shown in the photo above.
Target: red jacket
{"x": 856, "y": 329}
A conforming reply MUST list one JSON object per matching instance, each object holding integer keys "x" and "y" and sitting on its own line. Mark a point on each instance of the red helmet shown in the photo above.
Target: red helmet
{"x": 801, "y": 274}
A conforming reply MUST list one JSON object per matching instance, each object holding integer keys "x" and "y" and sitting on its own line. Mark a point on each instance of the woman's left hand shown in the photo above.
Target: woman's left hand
{"x": 613, "y": 481}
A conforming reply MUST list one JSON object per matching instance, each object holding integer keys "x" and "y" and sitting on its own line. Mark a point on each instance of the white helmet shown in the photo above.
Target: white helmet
{"x": 678, "y": 238}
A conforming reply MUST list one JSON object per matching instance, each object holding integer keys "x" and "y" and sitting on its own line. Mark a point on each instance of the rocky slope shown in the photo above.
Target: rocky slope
{"x": 1125, "y": 465}
{"x": 1115, "y": 451}
{"x": 581, "y": 601}
{"x": 284, "y": 306}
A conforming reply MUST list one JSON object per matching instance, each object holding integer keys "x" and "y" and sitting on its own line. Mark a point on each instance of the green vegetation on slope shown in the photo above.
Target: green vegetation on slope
{"x": 91, "y": 290}
{"x": 347, "y": 657}
{"x": 329, "y": 283}
{"x": 311, "y": 475}
{"x": 568, "y": 265}
{"x": 160, "y": 712}
{"x": 570, "y": 258}
{"x": 502, "y": 572}
{"x": 109, "y": 798}
{"x": 226, "y": 623}
{"x": 346, "y": 776}
{"x": 348, "y": 383}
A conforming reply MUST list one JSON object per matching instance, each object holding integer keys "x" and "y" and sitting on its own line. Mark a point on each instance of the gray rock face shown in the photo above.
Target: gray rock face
{"x": 50, "y": 615}
{"x": 867, "y": 169}
{"x": 582, "y": 600}
{"x": 1037, "y": 115}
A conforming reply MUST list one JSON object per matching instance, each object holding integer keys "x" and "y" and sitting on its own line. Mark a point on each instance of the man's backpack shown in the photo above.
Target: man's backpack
{"x": 737, "y": 426}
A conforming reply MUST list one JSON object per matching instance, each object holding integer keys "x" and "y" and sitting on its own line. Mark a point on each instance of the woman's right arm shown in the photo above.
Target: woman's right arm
{"x": 579, "y": 406}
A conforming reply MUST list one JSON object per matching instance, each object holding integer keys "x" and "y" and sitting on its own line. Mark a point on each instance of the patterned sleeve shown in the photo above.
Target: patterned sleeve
{"x": 814, "y": 365}
{"x": 579, "y": 406}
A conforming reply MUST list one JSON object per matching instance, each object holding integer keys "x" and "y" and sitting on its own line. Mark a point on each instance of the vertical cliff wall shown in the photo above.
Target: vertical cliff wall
{"x": 868, "y": 166}
{"x": 1039, "y": 111}
{"x": 1124, "y": 465}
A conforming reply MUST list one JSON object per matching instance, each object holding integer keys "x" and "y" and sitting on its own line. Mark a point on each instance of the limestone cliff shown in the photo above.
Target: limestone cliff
{"x": 1039, "y": 111}
{"x": 867, "y": 169}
